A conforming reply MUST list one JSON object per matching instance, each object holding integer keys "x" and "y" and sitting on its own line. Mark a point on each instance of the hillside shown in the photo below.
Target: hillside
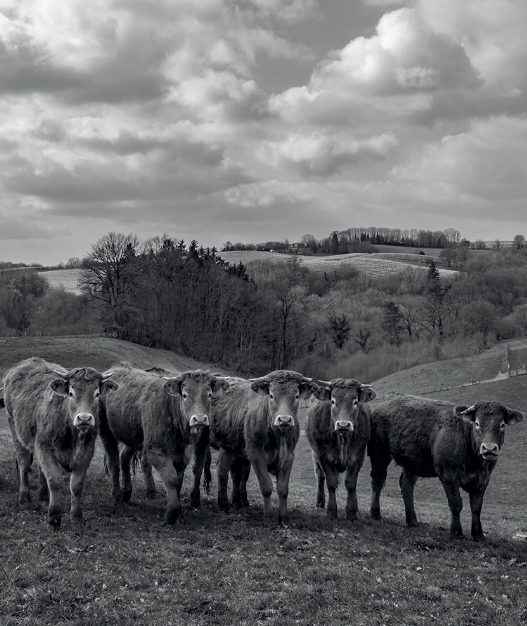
{"x": 94, "y": 351}
{"x": 373, "y": 265}
{"x": 440, "y": 375}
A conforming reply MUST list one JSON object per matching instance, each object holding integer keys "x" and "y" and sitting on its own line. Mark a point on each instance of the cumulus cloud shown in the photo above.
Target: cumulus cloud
{"x": 323, "y": 154}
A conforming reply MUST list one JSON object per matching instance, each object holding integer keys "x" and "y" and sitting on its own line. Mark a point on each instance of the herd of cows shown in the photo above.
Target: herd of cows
{"x": 56, "y": 414}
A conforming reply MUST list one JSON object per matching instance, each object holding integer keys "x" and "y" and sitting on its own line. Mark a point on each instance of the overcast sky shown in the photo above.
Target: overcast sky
{"x": 247, "y": 120}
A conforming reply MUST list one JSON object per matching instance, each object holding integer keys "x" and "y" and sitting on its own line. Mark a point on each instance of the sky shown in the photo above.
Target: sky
{"x": 255, "y": 120}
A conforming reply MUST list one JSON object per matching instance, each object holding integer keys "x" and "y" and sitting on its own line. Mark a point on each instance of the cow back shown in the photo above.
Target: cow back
{"x": 229, "y": 413}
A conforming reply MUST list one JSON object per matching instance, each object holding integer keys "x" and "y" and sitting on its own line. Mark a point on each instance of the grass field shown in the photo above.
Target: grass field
{"x": 65, "y": 279}
{"x": 372, "y": 265}
{"x": 125, "y": 567}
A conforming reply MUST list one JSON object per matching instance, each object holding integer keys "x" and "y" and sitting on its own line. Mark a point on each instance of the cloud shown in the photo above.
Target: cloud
{"x": 322, "y": 154}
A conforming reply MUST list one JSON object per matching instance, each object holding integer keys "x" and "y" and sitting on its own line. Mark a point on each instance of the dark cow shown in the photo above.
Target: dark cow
{"x": 426, "y": 437}
{"x": 338, "y": 430}
{"x": 53, "y": 413}
{"x": 167, "y": 420}
{"x": 255, "y": 423}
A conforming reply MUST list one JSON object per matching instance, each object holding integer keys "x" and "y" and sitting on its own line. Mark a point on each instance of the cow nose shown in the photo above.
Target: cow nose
{"x": 199, "y": 420}
{"x": 83, "y": 419}
{"x": 344, "y": 425}
{"x": 489, "y": 449}
{"x": 284, "y": 420}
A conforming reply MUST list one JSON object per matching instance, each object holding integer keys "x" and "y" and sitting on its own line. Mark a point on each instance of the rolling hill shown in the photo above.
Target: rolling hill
{"x": 94, "y": 351}
{"x": 377, "y": 265}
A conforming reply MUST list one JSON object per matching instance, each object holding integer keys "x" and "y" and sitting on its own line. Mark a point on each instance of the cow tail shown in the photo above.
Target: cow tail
{"x": 106, "y": 466}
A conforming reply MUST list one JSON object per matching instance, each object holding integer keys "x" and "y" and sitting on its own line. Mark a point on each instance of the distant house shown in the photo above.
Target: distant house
{"x": 297, "y": 248}
{"x": 516, "y": 361}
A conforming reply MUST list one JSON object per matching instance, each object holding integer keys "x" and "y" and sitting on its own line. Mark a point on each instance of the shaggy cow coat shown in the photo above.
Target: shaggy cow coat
{"x": 427, "y": 437}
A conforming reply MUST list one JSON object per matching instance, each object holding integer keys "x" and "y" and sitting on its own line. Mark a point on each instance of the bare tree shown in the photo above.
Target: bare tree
{"x": 339, "y": 328}
{"x": 107, "y": 274}
{"x": 362, "y": 338}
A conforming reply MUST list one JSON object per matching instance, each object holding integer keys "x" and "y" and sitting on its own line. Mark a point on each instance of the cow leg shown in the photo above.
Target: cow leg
{"x": 125, "y": 460}
{"x": 352, "y": 473}
{"x": 43, "y": 493}
{"x": 265, "y": 482}
{"x": 149, "y": 479}
{"x": 455, "y": 503}
{"x": 172, "y": 480}
{"x": 407, "y": 482}
{"x": 207, "y": 475}
{"x": 53, "y": 473}
{"x": 225, "y": 460}
{"x": 321, "y": 481}
{"x": 332, "y": 481}
{"x": 200, "y": 457}
{"x": 379, "y": 470}
{"x": 237, "y": 477}
{"x": 476, "y": 502}
{"x": 282, "y": 488}
{"x": 82, "y": 456}
{"x": 246, "y": 471}
{"x": 111, "y": 447}
{"x": 24, "y": 459}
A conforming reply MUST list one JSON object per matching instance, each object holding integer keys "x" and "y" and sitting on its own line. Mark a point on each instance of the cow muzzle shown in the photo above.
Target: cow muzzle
{"x": 197, "y": 421}
{"x": 84, "y": 421}
{"x": 489, "y": 451}
{"x": 343, "y": 426}
{"x": 284, "y": 422}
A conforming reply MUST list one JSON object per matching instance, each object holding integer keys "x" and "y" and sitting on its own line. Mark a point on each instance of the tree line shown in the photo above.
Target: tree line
{"x": 266, "y": 315}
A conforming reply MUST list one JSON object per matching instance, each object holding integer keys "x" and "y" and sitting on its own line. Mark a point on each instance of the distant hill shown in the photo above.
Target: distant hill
{"x": 67, "y": 279}
{"x": 94, "y": 351}
{"x": 443, "y": 375}
{"x": 373, "y": 265}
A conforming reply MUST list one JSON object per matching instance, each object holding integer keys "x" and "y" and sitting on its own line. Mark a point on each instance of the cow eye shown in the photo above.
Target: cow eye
{"x": 333, "y": 401}
{"x": 210, "y": 394}
{"x": 355, "y": 402}
{"x": 185, "y": 395}
{"x": 72, "y": 393}
{"x": 477, "y": 425}
{"x": 97, "y": 393}
{"x": 297, "y": 396}
{"x": 502, "y": 425}
{"x": 271, "y": 396}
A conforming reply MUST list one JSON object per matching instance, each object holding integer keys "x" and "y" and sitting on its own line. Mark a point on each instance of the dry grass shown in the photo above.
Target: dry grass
{"x": 372, "y": 265}
{"x": 63, "y": 279}
{"x": 440, "y": 375}
{"x": 125, "y": 567}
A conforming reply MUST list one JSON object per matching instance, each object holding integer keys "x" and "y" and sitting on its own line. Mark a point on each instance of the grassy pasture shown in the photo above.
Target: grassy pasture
{"x": 125, "y": 567}
{"x": 67, "y": 279}
{"x": 372, "y": 265}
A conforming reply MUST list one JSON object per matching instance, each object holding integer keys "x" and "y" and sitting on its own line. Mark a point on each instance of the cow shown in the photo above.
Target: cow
{"x": 53, "y": 414}
{"x": 338, "y": 430}
{"x": 166, "y": 420}
{"x": 459, "y": 444}
{"x": 255, "y": 424}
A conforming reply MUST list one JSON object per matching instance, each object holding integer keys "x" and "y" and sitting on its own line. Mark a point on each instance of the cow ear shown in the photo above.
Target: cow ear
{"x": 108, "y": 385}
{"x": 466, "y": 413}
{"x": 173, "y": 386}
{"x": 59, "y": 386}
{"x": 261, "y": 387}
{"x": 307, "y": 389}
{"x": 366, "y": 394}
{"x": 513, "y": 417}
{"x": 218, "y": 384}
{"x": 323, "y": 393}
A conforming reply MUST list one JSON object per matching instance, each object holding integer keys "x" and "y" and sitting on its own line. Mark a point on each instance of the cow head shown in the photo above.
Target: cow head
{"x": 82, "y": 388}
{"x": 283, "y": 390}
{"x": 488, "y": 421}
{"x": 195, "y": 390}
{"x": 345, "y": 395}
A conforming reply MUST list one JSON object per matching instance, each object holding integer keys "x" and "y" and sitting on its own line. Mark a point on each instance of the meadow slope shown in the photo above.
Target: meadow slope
{"x": 126, "y": 567}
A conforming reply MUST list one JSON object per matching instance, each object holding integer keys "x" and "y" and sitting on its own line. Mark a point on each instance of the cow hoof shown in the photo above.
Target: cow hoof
{"x": 77, "y": 517}
{"x": 375, "y": 514}
{"x": 321, "y": 505}
{"x": 24, "y": 498}
{"x": 151, "y": 494}
{"x": 127, "y": 495}
{"x": 332, "y": 514}
{"x": 224, "y": 506}
{"x": 478, "y": 537}
{"x": 412, "y": 523}
{"x": 54, "y": 521}
{"x": 195, "y": 503}
{"x": 173, "y": 516}
{"x": 456, "y": 532}
{"x": 351, "y": 517}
